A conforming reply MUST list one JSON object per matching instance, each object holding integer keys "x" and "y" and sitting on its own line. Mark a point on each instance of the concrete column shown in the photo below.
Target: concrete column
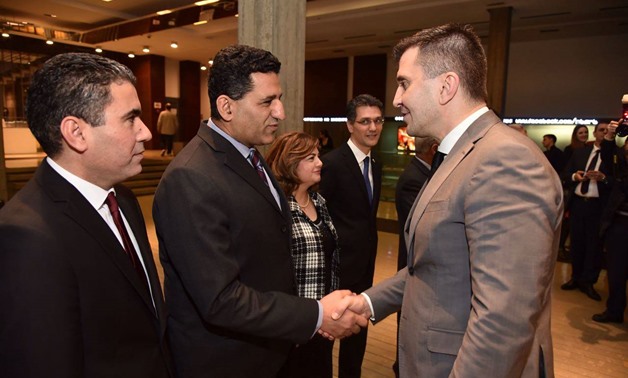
{"x": 279, "y": 27}
{"x": 497, "y": 55}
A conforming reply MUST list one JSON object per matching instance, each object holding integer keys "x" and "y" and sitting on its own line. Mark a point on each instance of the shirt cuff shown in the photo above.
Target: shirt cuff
{"x": 319, "y": 323}
{"x": 368, "y": 300}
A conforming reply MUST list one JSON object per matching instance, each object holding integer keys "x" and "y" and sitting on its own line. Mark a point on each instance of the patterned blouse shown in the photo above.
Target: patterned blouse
{"x": 311, "y": 264}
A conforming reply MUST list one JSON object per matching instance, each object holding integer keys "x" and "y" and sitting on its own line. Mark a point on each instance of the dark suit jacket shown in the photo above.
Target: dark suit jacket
{"x": 618, "y": 181}
{"x": 225, "y": 248}
{"x": 556, "y": 158}
{"x": 578, "y": 162}
{"x": 342, "y": 185}
{"x": 72, "y": 304}
{"x": 409, "y": 185}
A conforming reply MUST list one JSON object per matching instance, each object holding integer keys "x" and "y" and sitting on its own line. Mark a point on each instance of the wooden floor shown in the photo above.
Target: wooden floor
{"x": 582, "y": 348}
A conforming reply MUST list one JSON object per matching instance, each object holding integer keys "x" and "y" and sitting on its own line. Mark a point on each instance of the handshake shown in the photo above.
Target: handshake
{"x": 344, "y": 313}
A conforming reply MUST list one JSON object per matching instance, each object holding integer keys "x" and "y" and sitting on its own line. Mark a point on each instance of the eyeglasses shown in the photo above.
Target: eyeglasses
{"x": 367, "y": 121}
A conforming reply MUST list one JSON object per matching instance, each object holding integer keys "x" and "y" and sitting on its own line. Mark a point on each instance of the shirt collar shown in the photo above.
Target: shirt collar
{"x": 359, "y": 155}
{"x": 94, "y": 194}
{"x": 243, "y": 149}
{"x": 452, "y": 137}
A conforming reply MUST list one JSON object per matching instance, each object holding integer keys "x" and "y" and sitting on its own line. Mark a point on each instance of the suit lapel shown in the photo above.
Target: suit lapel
{"x": 461, "y": 149}
{"x": 237, "y": 163}
{"x": 77, "y": 208}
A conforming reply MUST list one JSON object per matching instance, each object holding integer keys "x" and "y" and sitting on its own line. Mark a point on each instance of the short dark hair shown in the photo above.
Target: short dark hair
{"x": 450, "y": 47}
{"x": 71, "y": 84}
{"x": 284, "y": 157}
{"x": 362, "y": 100}
{"x": 550, "y": 136}
{"x": 230, "y": 74}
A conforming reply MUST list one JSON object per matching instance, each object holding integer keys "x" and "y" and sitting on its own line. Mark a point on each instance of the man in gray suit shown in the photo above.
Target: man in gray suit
{"x": 483, "y": 234}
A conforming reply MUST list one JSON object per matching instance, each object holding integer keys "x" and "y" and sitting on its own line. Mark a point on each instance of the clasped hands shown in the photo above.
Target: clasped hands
{"x": 344, "y": 313}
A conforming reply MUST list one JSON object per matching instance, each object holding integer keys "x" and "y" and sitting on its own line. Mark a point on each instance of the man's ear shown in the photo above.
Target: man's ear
{"x": 225, "y": 107}
{"x": 450, "y": 86}
{"x": 73, "y": 132}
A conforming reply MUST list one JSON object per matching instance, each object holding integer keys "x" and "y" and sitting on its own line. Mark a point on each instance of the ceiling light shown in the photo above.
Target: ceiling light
{"x": 5, "y": 34}
{"x": 203, "y": 68}
{"x": 49, "y": 42}
{"x": 166, "y": 11}
{"x": 211, "y": 62}
{"x": 146, "y": 49}
{"x": 98, "y": 49}
{"x": 107, "y": 1}
{"x": 174, "y": 45}
{"x": 131, "y": 55}
{"x": 205, "y": 2}
{"x": 197, "y": 23}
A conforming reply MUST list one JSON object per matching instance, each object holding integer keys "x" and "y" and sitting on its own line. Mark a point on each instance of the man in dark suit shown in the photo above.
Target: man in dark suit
{"x": 482, "y": 235}
{"x": 410, "y": 183}
{"x": 350, "y": 182}
{"x": 585, "y": 175}
{"x": 613, "y": 226}
{"x": 553, "y": 153}
{"x": 224, "y": 235}
{"x": 80, "y": 296}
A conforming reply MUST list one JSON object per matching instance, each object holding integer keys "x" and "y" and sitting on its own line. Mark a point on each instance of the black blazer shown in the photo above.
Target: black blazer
{"x": 225, "y": 248}
{"x": 578, "y": 162}
{"x": 342, "y": 185}
{"x": 72, "y": 304}
{"x": 410, "y": 182}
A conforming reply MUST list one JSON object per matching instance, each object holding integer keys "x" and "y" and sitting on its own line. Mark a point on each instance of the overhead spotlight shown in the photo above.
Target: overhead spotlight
{"x": 49, "y": 42}
{"x": 205, "y": 2}
{"x": 210, "y": 62}
{"x": 131, "y": 55}
{"x": 5, "y": 35}
{"x": 166, "y": 11}
{"x": 146, "y": 49}
{"x": 203, "y": 68}
{"x": 98, "y": 49}
{"x": 174, "y": 44}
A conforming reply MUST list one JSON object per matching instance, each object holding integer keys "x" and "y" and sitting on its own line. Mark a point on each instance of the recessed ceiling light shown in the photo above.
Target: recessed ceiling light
{"x": 5, "y": 34}
{"x": 49, "y": 42}
{"x": 146, "y": 49}
{"x": 98, "y": 49}
{"x": 197, "y": 23}
{"x": 203, "y": 68}
{"x": 211, "y": 62}
{"x": 131, "y": 55}
{"x": 50, "y": 15}
{"x": 174, "y": 45}
{"x": 165, "y": 11}
{"x": 205, "y": 2}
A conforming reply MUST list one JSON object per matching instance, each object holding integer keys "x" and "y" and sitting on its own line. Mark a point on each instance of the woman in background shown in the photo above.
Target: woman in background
{"x": 579, "y": 138}
{"x": 294, "y": 160}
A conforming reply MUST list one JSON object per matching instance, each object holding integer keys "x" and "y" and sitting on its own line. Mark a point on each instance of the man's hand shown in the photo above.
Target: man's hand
{"x": 611, "y": 130}
{"x": 343, "y": 314}
{"x": 337, "y": 322}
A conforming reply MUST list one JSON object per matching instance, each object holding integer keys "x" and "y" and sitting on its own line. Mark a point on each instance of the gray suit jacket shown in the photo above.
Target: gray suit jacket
{"x": 476, "y": 297}
{"x": 225, "y": 248}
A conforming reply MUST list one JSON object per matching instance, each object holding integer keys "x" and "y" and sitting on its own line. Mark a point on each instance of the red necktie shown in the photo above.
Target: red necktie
{"x": 112, "y": 203}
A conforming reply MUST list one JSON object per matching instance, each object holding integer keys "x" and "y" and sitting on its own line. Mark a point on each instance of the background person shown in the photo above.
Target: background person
{"x": 167, "y": 126}
{"x": 80, "y": 296}
{"x": 294, "y": 160}
{"x": 351, "y": 183}
{"x": 553, "y": 154}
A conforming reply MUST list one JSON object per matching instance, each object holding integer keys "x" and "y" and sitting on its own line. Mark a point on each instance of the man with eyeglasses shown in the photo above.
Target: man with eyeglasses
{"x": 350, "y": 182}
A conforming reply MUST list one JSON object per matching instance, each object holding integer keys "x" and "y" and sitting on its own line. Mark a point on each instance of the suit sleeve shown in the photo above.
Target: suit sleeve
{"x": 194, "y": 226}
{"x": 40, "y": 327}
{"x": 512, "y": 220}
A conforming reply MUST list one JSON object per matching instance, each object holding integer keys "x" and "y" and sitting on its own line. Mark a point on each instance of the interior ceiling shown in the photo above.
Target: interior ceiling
{"x": 335, "y": 28}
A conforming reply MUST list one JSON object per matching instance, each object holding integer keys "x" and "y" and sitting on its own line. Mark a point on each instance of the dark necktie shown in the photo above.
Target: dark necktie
{"x": 112, "y": 203}
{"x": 584, "y": 188}
{"x": 257, "y": 164}
{"x": 438, "y": 159}
{"x": 367, "y": 182}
